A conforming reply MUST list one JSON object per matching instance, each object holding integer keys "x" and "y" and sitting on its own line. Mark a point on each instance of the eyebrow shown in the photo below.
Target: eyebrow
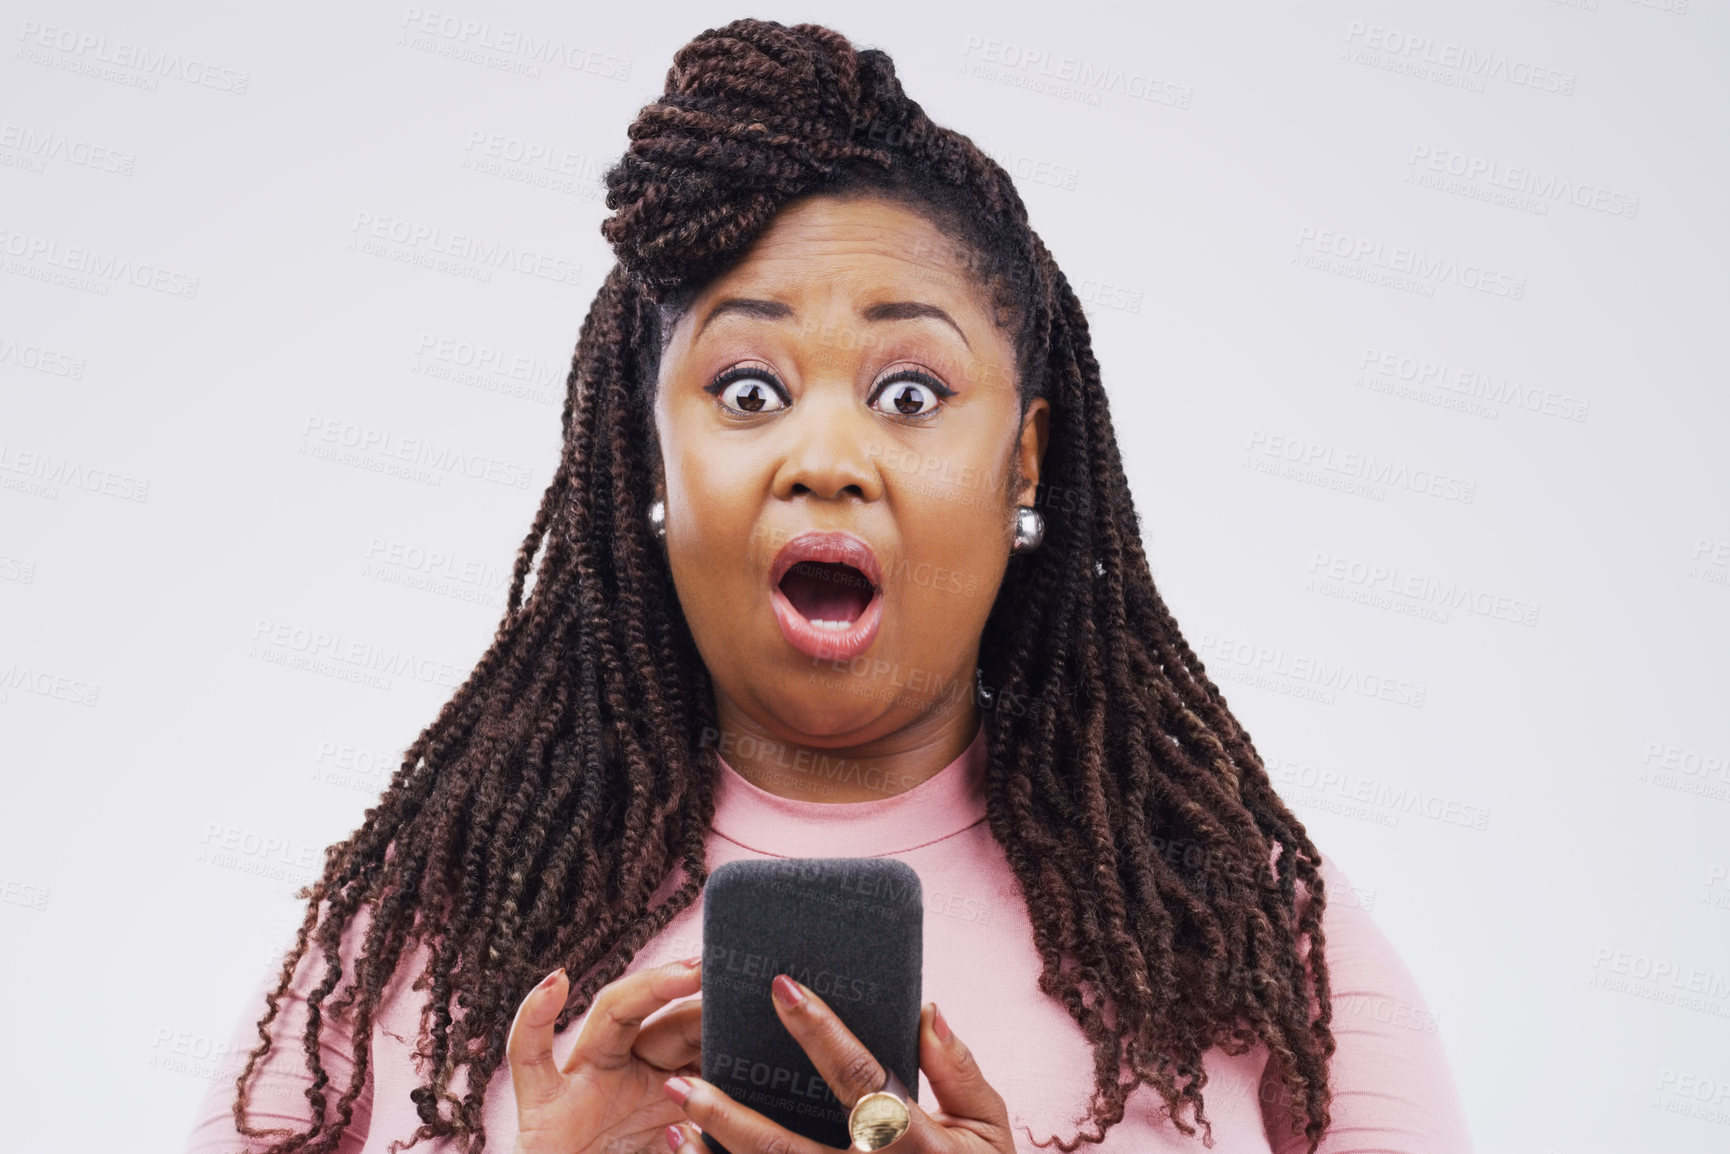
{"x": 781, "y": 310}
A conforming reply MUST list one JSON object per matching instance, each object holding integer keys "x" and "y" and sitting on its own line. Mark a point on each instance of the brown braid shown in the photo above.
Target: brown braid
{"x": 531, "y": 823}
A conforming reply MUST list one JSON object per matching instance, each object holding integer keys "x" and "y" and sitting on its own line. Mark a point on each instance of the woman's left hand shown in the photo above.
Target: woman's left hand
{"x": 971, "y": 1117}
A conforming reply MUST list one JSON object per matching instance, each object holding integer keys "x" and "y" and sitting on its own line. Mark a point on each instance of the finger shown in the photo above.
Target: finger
{"x": 737, "y": 1127}
{"x": 849, "y": 1068}
{"x": 681, "y": 1138}
{"x": 960, "y": 1087}
{"x": 529, "y": 1047}
{"x": 674, "y": 1040}
{"x": 610, "y": 1029}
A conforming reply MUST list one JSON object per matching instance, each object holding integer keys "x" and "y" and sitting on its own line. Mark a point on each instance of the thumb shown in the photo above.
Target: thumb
{"x": 961, "y": 1089}
{"x": 529, "y": 1048}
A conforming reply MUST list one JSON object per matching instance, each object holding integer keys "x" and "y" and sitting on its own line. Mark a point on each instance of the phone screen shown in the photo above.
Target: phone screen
{"x": 851, "y": 930}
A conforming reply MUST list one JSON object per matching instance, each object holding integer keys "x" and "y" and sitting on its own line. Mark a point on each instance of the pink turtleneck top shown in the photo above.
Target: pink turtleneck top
{"x": 1393, "y": 1091}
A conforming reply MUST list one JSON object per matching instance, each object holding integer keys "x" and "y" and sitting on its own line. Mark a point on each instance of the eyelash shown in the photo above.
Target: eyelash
{"x": 740, "y": 372}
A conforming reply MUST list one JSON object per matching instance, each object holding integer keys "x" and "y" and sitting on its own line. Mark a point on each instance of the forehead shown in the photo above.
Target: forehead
{"x": 853, "y": 244}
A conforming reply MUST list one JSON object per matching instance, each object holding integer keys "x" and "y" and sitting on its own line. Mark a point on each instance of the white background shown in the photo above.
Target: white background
{"x": 1504, "y": 716}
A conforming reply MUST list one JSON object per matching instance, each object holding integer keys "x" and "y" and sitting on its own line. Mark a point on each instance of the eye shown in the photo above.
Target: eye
{"x": 748, "y": 390}
{"x": 912, "y": 394}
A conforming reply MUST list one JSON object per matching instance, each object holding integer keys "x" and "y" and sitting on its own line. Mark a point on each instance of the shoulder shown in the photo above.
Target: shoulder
{"x": 1357, "y": 948}
{"x": 281, "y": 1078}
{"x": 1361, "y": 960}
{"x": 1389, "y": 1073}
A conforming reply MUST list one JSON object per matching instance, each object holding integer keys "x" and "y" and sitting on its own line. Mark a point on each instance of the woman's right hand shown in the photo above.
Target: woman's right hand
{"x": 606, "y": 1095}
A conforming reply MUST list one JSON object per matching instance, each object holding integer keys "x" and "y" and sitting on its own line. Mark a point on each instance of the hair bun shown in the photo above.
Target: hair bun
{"x": 755, "y": 113}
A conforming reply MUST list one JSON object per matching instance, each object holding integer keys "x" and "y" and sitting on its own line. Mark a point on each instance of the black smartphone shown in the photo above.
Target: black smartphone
{"x": 851, "y": 929}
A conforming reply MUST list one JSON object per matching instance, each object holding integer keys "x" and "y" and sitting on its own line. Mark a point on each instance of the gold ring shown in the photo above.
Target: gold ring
{"x": 881, "y": 1116}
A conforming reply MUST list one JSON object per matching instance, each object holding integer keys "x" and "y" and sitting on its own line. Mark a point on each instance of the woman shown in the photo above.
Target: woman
{"x": 839, "y": 560}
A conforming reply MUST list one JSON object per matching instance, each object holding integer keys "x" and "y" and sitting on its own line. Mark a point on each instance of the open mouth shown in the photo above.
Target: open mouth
{"x": 830, "y": 595}
{"x": 828, "y": 599}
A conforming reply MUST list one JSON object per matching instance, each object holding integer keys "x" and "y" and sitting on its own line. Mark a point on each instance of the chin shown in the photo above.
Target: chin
{"x": 823, "y": 708}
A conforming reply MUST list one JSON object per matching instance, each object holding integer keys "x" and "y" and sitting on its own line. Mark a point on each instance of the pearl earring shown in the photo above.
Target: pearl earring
{"x": 983, "y": 694}
{"x": 658, "y": 519}
{"x": 1029, "y": 529}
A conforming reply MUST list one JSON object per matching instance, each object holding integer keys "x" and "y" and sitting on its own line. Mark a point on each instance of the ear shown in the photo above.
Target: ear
{"x": 656, "y": 466}
{"x": 1031, "y": 449}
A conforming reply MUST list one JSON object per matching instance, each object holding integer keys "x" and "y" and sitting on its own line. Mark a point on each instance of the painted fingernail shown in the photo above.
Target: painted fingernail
{"x": 674, "y": 1138}
{"x": 678, "y": 1089}
{"x": 938, "y": 1025}
{"x": 787, "y": 991}
{"x": 547, "y": 982}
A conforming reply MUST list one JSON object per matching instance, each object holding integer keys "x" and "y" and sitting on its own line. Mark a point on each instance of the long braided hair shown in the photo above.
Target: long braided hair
{"x": 532, "y": 823}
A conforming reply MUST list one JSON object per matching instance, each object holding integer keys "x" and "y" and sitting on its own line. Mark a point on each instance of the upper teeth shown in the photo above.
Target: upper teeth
{"x": 831, "y": 624}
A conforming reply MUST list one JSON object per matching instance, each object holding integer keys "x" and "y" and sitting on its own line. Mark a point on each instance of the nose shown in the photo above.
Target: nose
{"x": 831, "y": 449}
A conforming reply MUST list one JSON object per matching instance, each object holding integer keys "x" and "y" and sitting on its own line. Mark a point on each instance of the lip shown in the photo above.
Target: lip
{"x": 836, "y": 547}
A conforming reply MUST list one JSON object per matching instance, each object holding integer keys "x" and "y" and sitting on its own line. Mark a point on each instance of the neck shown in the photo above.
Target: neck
{"x": 807, "y": 768}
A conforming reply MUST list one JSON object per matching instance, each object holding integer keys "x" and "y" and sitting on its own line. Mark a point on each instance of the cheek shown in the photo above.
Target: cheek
{"x": 957, "y": 553}
{"x": 702, "y": 492}
{"x": 711, "y": 514}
